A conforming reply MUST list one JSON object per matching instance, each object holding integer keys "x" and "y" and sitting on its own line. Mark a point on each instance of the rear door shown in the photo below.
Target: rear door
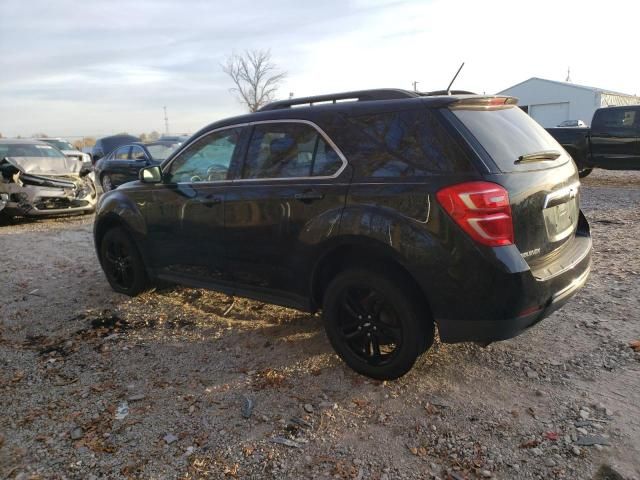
{"x": 614, "y": 138}
{"x": 138, "y": 159}
{"x": 528, "y": 162}
{"x": 119, "y": 166}
{"x": 293, "y": 182}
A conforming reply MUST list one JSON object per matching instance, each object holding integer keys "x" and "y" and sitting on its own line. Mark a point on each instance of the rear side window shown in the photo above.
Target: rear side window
{"x": 400, "y": 144}
{"x": 289, "y": 150}
{"x": 137, "y": 153}
{"x": 506, "y": 134}
{"x": 122, "y": 153}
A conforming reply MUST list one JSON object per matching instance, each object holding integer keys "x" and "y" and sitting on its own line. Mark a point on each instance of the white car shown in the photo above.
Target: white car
{"x": 572, "y": 123}
{"x": 69, "y": 150}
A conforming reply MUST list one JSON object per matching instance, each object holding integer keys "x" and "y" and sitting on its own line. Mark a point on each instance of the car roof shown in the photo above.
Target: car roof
{"x": 366, "y": 101}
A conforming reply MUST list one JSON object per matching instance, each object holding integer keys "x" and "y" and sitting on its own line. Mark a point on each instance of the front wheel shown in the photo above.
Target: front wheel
{"x": 375, "y": 324}
{"x": 122, "y": 263}
{"x": 584, "y": 172}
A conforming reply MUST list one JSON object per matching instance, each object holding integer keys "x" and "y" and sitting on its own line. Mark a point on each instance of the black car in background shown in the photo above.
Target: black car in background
{"x": 392, "y": 211}
{"x": 106, "y": 145}
{"x": 123, "y": 164}
{"x": 612, "y": 142}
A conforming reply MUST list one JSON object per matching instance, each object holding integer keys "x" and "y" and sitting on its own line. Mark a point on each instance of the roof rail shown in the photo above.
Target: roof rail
{"x": 360, "y": 96}
{"x": 445, "y": 92}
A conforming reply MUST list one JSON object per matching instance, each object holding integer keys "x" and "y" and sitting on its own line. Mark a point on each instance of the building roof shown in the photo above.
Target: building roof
{"x": 569, "y": 84}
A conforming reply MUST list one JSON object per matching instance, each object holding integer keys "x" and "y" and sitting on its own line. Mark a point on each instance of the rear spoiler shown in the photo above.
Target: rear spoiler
{"x": 483, "y": 103}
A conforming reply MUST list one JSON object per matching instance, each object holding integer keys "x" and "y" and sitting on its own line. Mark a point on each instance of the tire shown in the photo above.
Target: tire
{"x": 106, "y": 183}
{"x": 122, "y": 263}
{"x": 584, "y": 172}
{"x": 375, "y": 324}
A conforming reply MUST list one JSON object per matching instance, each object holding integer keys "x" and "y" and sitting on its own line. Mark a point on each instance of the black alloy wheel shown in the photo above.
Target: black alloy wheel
{"x": 122, "y": 263}
{"x": 375, "y": 325}
{"x": 369, "y": 325}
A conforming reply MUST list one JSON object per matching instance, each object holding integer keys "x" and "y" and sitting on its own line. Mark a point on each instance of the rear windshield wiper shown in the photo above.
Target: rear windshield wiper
{"x": 544, "y": 156}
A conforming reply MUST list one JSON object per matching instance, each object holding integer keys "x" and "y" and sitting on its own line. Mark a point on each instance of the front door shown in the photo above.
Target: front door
{"x": 614, "y": 138}
{"x": 186, "y": 220}
{"x": 293, "y": 182}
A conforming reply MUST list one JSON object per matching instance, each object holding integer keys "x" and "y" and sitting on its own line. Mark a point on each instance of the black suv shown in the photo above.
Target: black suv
{"x": 392, "y": 211}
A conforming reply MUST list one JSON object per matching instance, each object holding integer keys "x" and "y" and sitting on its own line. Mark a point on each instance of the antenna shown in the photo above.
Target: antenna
{"x": 454, "y": 79}
{"x": 166, "y": 121}
{"x": 568, "y": 79}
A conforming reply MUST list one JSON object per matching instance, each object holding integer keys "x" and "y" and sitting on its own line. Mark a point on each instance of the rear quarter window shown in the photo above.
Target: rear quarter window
{"x": 402, "y": 144}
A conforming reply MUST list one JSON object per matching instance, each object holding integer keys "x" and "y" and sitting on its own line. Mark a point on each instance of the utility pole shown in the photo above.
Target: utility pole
{"x": 415, "y": 85}
{"x": 166, "y": 121}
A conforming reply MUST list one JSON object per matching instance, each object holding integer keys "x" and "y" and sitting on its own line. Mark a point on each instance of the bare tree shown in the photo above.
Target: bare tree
{"x": 256, "y": 79}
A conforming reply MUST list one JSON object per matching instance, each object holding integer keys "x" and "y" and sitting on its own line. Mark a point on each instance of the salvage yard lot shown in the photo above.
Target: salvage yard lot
{"x": 94, "y": 384}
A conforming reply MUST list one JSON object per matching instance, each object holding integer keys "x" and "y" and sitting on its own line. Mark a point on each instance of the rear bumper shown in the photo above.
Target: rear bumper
{"x": 487, "y": 331}
{"x": 521, "y": 299}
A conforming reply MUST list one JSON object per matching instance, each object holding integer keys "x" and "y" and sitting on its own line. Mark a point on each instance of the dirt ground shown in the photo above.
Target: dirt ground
{"x": 97, "y": 385}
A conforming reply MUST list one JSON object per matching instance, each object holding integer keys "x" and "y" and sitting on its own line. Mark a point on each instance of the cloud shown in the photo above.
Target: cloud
{"x": 73, "y": 68}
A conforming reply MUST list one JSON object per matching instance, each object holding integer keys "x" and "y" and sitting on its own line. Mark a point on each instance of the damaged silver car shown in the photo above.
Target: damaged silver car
{"x": 36, "y": 179}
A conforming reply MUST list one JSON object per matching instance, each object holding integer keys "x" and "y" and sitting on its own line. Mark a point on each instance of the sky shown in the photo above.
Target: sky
{"x": 94, "y": 67}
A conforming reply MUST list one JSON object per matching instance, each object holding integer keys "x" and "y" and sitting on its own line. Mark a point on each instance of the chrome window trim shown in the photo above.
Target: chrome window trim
{"x": 322, "y": 133}
{"x": 141, "y": 149}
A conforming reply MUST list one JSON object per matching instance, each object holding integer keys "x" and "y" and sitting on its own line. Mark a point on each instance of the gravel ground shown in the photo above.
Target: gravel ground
{"x": 186, "y": 383}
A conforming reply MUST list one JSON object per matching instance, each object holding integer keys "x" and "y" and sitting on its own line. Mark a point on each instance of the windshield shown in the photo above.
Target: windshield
{"x": 60, "y": 144}
{"x": 160, "y": 152}
{"x": 29, "y": 150}
{"x": 507, "y": 134}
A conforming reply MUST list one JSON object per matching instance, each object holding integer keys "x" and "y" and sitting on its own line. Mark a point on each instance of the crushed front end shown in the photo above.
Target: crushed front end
{"x": 31, "y": 195}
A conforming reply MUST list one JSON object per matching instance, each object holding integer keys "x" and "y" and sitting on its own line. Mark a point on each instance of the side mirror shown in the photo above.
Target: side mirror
{"x": 150, "y": 174}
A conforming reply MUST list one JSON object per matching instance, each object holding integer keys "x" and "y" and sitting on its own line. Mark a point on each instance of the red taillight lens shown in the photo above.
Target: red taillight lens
{"x": 481, "y": 209}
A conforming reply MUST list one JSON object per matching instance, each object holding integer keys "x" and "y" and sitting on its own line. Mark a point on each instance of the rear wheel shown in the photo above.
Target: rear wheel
{"x": 122, "y": 263}
{"x": 375, "y": 324}
{"x": 107, "y": 184}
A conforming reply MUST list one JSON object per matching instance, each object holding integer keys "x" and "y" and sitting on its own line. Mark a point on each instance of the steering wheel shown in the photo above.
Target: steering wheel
{"x": 216, "y": 172}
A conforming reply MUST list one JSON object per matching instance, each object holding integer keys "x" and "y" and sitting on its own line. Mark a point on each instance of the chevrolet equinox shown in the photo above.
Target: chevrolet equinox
{"x": 391, "y": 211}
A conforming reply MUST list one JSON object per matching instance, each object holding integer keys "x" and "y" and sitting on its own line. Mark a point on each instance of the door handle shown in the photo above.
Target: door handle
{"x": 210, "y": 201}
{"x": 309, "y": 196}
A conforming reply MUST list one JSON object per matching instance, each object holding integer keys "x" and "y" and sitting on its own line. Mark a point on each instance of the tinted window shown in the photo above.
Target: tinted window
{"x": 288, "y": 150}
{"x": 615, "y": 118}
{"x": 137, "y": 153}
{"x": 160, "y": 152}
{"x": 399, "y": 144}
{"x": 506, "y": 134}
{"x": 206, "y": 160}
{"x": 122, "y": 153}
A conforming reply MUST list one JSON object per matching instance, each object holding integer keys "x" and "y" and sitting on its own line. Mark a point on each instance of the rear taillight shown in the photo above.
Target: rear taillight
{"x": 481, "y": 209}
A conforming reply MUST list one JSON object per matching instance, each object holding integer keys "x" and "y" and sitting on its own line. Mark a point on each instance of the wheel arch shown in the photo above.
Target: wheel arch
{"x": 360, "y": 252}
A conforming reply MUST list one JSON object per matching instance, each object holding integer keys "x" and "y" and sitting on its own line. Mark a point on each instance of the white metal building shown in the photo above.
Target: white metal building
{"x": 550, "y": 102}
